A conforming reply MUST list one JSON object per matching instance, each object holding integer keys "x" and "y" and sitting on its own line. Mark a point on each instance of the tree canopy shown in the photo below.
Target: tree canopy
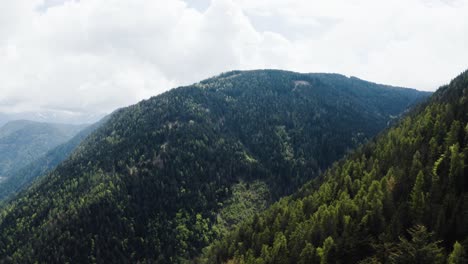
{"x": 401, "y": 198}
{"x": 165, "y": 177}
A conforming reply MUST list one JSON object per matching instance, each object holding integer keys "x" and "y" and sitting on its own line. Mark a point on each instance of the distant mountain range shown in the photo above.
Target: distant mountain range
{"x": 162, "y": 179}
{"x": 22, "y": 142}
{"x": 62, "y": 117}
{"x": 22, "y": 176}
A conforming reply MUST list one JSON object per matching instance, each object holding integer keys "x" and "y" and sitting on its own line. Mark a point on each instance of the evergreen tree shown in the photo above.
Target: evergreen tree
{"x": 456, "y": 176}
{"x": 418, "y": 199}
{"x": 309, "y": 255}
{"x": 327, "y": 253}
{"x": 458, "y": 255}
{"x": 280, "y": 253}
{"x": 421, "y": 249}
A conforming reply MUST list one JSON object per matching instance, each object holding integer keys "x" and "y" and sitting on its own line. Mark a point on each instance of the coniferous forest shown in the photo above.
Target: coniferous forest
{"x": 184, "y": 177}
{"x": 233, "y": 132}
{"x": 400, "y": 198}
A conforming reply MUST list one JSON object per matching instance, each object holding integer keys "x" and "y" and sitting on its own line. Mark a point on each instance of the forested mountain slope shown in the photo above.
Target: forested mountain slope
{"x": 163, "y": 178}
{"x": 401, "y": 198}
{"x": 22, "y": 141}
{"x": 20, "y": 178}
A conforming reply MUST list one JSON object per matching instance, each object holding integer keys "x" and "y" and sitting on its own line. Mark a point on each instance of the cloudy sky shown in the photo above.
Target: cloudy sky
{"x": 93, "y": 56}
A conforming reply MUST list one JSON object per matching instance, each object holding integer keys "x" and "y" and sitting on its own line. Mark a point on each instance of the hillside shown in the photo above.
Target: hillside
{"x": 163, "y": 178}
{"x": 402, "y": 198}
{"x": 22, "y": 142}
{"x": 20, "y": 178}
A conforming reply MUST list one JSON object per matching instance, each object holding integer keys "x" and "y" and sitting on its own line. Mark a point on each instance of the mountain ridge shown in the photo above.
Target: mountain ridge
{"x": 149, "y": 184}
{"x": 20, "y": 178}
{"x": 401, "y": 198}
{"x": 23, "y": 141}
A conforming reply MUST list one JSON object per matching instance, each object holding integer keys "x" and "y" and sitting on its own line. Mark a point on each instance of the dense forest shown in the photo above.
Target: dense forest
{"x": 22, "y": 142}
{"x": 163, "y": 178}
{"x": 20, "y": 178}
{"x": 402, "y": 198}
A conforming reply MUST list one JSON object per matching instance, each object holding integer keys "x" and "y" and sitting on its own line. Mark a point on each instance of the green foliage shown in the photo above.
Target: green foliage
{"x": 308, "y": 255}
{"x": 327, "y": 252}
{"x": 246, "y": 200}
{"x": 410, "y": 180}
{"x": 420, "y": 249}
{"x": 458, "y": 255}
{"x": 150, "y": 184}
{"x": 418, "y": 198}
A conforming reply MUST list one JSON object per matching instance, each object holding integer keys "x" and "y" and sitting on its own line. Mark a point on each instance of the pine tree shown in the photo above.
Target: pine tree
{"x": 280, "y": 251}
{"x": 458, "y": 255}
{"x": 375, "y": 197}
{"x": 308, "y": 255}
{"x": 454, "y": 133}
{"x": 418, "y": 199}
{"x": 421, "y": 249}
{"x": 327, "y": 252}
{"x": 457, "y": 165}
{"x": 416, "y": 164}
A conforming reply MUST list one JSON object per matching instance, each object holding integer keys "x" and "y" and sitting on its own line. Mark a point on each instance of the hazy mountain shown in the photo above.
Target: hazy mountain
{"x": 50, "y": 116}
{"x": 21, "y": 177}
{"x": 21, "y": 142}
{"x": 403, "y": 198}
{"x": 164, "y": 177}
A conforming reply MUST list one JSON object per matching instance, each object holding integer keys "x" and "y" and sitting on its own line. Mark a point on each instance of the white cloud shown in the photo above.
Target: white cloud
{"x": 415, "y": 43}
{"x": 94, "y": 56}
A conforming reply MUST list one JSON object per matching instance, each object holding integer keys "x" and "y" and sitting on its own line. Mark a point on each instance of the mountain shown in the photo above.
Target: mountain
{"x": 162, "y": 178}
{"x": 20, "y": 178}
{"x": 52, "y": 116}
{"x": 402, "y": 198}
{"x": 24, "y": 141}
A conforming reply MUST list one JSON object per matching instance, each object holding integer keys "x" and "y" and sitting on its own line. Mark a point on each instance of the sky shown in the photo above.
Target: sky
{"x": 89, "y": 57}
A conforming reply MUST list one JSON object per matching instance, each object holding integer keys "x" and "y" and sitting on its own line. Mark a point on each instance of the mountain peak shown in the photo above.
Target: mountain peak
{"x": 171, "y": 173}
{"x": 401, "y": 198}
